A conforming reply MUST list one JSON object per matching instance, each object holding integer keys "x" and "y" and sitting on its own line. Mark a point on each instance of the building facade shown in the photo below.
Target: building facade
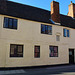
{"x": 30, "y": 37}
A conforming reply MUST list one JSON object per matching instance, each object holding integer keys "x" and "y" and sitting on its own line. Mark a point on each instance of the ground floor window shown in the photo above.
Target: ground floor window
{"x": 37, "y": 51}
{"x": 53, "y": 51}
{"x": 16, "y": 50}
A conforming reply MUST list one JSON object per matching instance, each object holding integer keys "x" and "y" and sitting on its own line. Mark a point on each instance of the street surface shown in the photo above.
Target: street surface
{"x": 57, "y": 70}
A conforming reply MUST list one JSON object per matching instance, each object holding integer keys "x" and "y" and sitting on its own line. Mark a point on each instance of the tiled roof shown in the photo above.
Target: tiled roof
{"x": 34, "y": 14}
{"x": 67, "y": 21}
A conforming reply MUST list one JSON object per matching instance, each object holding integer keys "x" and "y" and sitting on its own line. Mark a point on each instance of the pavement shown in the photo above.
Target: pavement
{"x": 57, "y": 70}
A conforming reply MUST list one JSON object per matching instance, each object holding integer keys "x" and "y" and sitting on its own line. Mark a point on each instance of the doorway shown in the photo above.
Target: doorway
{"x": 71, "y": 56}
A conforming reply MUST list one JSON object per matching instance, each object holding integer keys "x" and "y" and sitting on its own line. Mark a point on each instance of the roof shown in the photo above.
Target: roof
{"x": 67, "y": 21}
{"x": 34, "y": 14}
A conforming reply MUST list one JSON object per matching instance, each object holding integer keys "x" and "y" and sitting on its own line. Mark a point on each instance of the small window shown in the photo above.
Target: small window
{"x": 53, "y": 51}
{"x": 16, "y": 50}
{"x": 46, "y": 29}
{"x": 66, "y": 33}
{"x": 10, "y": 23}
{"x": 37, "y": 52}
{"x": 57, "y": 37}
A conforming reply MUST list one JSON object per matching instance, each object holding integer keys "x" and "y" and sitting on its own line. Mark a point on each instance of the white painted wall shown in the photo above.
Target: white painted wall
{"x": 29, "y": 34}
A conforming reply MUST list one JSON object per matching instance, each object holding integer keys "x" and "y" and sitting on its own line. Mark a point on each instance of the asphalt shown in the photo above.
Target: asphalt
{"x": 57, "y": 70}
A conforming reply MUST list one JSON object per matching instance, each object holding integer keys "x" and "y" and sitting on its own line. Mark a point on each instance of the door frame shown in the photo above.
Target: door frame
{"x": 72, "y": 57}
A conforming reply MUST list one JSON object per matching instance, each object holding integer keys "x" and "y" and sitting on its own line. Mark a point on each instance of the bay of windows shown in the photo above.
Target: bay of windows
{"x": 10, "y": 23}
{"x": 46, "y": 29}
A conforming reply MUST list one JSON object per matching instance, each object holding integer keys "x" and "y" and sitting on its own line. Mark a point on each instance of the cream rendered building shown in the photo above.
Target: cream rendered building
{"x": 35, "y": 45}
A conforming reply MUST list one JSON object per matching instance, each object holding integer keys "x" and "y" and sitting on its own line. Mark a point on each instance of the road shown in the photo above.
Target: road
{"x": 58, "y": 70}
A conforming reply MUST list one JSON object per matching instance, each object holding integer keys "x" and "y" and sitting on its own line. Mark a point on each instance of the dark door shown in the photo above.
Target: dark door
{"x": 71, "y": 56}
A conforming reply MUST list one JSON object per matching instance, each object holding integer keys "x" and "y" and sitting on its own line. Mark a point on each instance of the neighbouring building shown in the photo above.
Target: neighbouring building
{"x": 31, "y": 36}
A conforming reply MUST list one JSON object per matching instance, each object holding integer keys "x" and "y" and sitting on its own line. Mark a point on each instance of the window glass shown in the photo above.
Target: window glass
{"x": 53, "y": 51}
{"x": 65, "y": 31}
{"x": 46, "y": 29}
{"x": 5, "y": 22}
{"x": 68, "y": 33}
{"x": 15, "y": 23}
{"x": 20, "y": 49}
{"x": 10, "y": 23}
{"x": 50, "y": 30}
{"x": 42, "y": 28}
{"x": 12, "y": 49}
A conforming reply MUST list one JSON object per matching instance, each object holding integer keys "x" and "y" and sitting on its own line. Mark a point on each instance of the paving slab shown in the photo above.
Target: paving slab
{"x": 12, "y": 72}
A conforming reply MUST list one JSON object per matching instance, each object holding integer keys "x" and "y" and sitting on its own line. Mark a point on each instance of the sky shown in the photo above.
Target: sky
{"x": 45, "y": 4}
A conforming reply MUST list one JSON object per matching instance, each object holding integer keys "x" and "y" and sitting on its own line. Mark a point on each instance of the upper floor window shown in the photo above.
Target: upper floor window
{"x": 10, "y": 23}
{"x": 66, "y": 33}
{"x": 16, "y": 50}
{"x": 46, "y": 29}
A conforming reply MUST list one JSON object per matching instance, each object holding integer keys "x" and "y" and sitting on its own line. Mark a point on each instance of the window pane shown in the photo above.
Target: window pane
{"x": 51, "y": 54}
{"x": 20, "y": 49}
{"x": 46, "y": 29}
{"x": 5, "y": 22}
{"x": 10, "y": 23}
{"x": 55, "y": 49}
{"x": 42, "y": 28}
{"x": 68, "y": 33}
{"x": 51, "y": 51}
{"x": 12, "y": 50}
{"x": 55, "y": 54}
{"x": 38, "y": 55}
{"x": 51, "y": 47}
{"x": 37, "y": 49}
{"x": 50, "y": 30}
{"x": 65, "y": 32}
{"x": 15, "y": 23}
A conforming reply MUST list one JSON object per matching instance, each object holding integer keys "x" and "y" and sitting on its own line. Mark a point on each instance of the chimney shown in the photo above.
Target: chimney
{"x": 55, "y": 15}
{"x": 71, "y": 10}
